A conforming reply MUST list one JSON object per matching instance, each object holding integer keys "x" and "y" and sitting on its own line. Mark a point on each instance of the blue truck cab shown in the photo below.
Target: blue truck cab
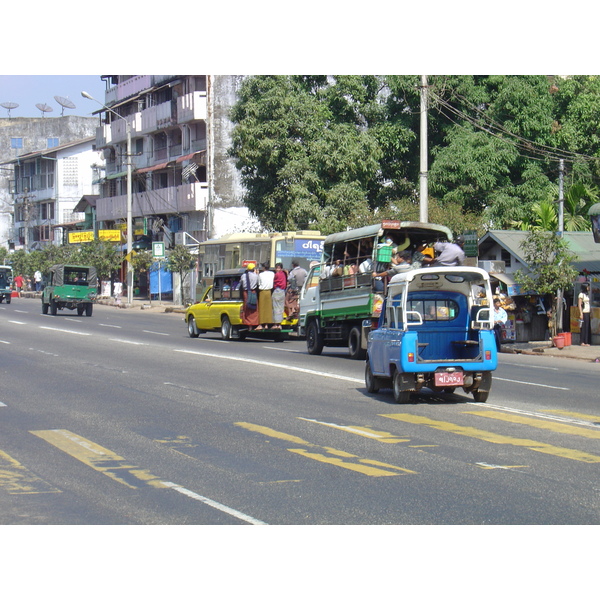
{"x": 435, "y": 331}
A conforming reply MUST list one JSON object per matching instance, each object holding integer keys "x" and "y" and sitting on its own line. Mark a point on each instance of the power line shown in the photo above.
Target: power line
{"x": 529, "y": 147}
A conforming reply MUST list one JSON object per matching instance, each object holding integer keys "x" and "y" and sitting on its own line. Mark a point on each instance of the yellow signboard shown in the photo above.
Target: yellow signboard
{"x": 109, "y": 235}
{"x": 78, "y": 237}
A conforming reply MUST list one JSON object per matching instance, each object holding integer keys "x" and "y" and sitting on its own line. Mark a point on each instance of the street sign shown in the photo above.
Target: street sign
{"x": 129, "y": 256}
{"x": 471, "y": 246}
{"x": 158, "y": 249}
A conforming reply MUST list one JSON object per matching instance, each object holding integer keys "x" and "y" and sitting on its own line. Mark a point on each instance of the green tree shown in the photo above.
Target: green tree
{"x": 304, "y": 151}
{"x": 549, "y": 260}
{"x": 181, "y": 261}
{"x": 104, "y": 256}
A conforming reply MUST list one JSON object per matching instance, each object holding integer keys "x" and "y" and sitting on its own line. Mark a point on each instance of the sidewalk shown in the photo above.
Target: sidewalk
{"x": 139, "y": 304}
{"x": 587, "y": 353}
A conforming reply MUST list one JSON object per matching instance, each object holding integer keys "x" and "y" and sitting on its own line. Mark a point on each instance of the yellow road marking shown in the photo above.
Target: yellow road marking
{"x": 495, "y": 438}
{"x": 539, "y": 423}
{"x": 273, "y": 433}
{"x": 101, "y": 459}
{"x": 16, "y": 479}
{"x": 575, "y": 415}
{"x": 359, "y": 468}
{"x": 361, "y": 465}
{"x": 378, "y": 436}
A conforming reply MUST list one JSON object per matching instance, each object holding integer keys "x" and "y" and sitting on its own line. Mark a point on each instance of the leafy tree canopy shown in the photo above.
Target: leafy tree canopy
{"x": 331, "y": 152}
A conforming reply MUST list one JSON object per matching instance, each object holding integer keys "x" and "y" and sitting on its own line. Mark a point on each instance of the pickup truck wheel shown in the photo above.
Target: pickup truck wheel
{"x": 480, "y": 396}
{"x": 371, "y": 382}
{"x": 354, "y": 348}
{"x": 192, "y": 329}
{"x": 400, "y": 396}
{"x": 80, "y": 310}
{"x": 314, "y": 342}
{"x": 89, "y": 309}
{"x": 44, "y": 308}
{"x": 225, "y": 328}
{"x": 53, "y": 308}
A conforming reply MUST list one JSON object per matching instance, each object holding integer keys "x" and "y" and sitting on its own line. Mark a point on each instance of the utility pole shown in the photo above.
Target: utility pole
{"x": 423, "y": 191}
{"x": 561, "y": 200}
{"x": 561, "y": 229}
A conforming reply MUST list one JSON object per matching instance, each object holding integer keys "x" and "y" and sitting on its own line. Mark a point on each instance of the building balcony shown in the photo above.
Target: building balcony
{"x": 188, "y": 197}
{"x": 128, "y": 88}
{"x": 116, "y": 132}
{"x": 191, "y": 107}
{"x": 158, "y": 117}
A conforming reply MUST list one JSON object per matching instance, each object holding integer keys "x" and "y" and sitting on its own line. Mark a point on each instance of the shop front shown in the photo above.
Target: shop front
{"x": 529, "y": 315}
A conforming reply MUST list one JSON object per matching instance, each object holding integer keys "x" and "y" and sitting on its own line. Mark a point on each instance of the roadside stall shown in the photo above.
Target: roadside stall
{"x": 594, "y": 282}
{"x": 528, "y": 314}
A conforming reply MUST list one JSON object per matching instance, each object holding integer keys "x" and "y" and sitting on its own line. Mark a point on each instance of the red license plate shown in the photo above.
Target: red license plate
{"x": 449, "y": 379}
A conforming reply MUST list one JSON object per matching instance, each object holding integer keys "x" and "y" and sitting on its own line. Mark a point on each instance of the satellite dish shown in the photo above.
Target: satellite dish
{"x": 44, "y": 108}
{"x": 9, "y": 106}
{"x": 65, "y": 103}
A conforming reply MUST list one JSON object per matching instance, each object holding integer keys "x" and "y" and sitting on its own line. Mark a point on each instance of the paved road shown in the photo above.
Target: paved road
{"x": 206, "y": 431}
{"x": 122, "y": 419}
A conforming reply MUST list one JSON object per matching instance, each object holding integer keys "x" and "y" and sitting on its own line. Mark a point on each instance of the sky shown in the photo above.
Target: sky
{"x": 29, "y": 90}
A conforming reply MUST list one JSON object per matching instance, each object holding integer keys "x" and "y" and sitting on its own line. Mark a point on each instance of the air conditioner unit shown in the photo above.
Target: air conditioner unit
{"x": 492, "y": 266}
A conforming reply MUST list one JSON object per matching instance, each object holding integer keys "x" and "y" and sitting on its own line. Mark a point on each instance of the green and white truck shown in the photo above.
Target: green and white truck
{"x": 341, "y": 301}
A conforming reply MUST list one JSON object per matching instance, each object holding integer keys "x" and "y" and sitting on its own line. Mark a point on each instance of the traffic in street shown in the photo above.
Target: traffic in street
{"x": 122, "y": 418}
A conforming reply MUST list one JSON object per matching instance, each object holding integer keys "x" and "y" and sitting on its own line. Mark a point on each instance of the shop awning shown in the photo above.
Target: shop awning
{"x": 154, "y": 168}
{"x": 115, "y": 175}
{"x": 201, "y": 157}
{"x": 504, "y": 278}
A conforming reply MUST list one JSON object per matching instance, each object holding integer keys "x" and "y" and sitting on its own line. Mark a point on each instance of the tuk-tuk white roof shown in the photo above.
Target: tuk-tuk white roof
{"x": 469, "y": 273}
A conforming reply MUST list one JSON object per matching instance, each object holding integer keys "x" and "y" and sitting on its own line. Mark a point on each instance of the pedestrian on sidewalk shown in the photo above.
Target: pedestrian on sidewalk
{"x": 583, "y": 302}
{"x": 500, "y": 318}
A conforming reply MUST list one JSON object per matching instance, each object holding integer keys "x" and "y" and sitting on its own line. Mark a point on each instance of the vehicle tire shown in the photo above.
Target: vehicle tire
{"x": 89, "y": 309}
{"x": 354, "y": 348}
{"x": 44, "y": 308}
{"x": 8, "y": 299}
{"x": 400, "y": 396}
{"x": 225, "y": 328}
{"x": 2, "y": 298}
{"x": 53, "y": 307}
{"x": 192, "y": 329}
{"x": 80, "y": 310}
{"x": 314, "y": 341}
{"x": 480, "y": 396}
{"x": 371, "y": 382}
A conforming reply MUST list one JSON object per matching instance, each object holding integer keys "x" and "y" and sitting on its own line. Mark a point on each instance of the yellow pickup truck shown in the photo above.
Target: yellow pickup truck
{"x": 220, "y": 309}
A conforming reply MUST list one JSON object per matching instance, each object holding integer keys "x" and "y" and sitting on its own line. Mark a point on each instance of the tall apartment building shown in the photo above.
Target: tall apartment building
{"x": 47, "y": 186}
{"x": 19, "y": 136}
{"x": 184, "y": 187}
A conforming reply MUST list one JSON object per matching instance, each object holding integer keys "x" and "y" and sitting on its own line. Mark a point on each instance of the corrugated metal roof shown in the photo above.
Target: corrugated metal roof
{"x": 580, "y": 242}
{"x": 35, "y": 154}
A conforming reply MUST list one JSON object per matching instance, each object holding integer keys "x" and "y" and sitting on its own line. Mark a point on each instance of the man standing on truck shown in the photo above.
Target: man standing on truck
{"x": 400, "y": 262}
{"x": 450, "y": 254}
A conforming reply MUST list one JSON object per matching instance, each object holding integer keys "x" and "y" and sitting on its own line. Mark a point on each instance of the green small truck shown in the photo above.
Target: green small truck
{"x": 70, "y": 286}
{"x": 6, "y": 279}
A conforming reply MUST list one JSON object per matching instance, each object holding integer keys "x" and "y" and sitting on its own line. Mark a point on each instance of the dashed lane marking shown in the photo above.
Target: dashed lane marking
{"x": 272, "y": 364}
